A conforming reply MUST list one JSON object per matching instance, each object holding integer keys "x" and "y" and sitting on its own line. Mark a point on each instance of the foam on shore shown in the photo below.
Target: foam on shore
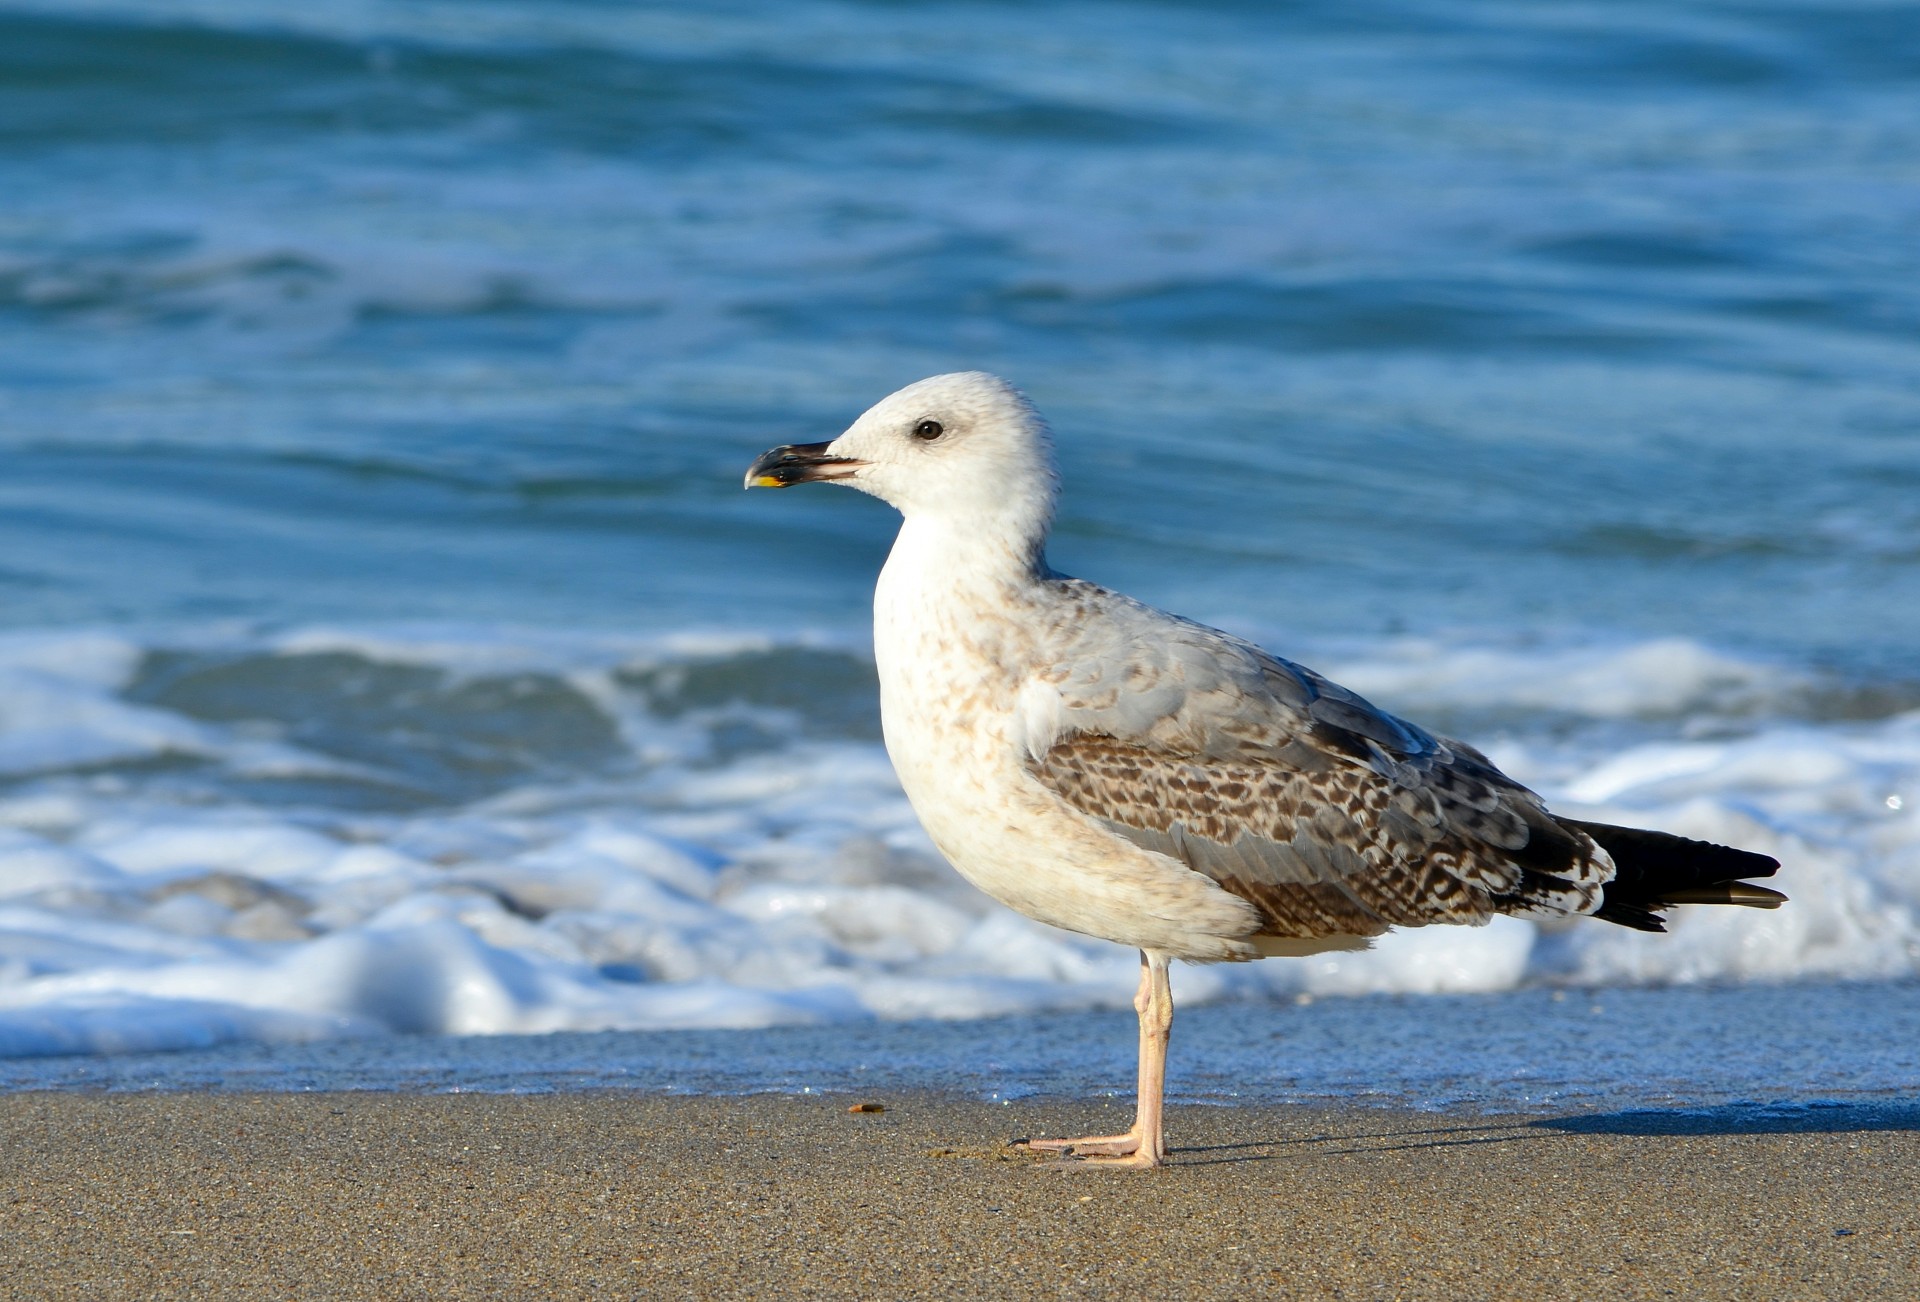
{"x": 218, "y": 837}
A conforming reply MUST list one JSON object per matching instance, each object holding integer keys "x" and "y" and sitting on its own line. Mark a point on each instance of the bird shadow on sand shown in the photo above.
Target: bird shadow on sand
{"x": 1376, "y": 1141}
{"x": 1729, "y": 1119}
{"x": 1823, "y": 1118}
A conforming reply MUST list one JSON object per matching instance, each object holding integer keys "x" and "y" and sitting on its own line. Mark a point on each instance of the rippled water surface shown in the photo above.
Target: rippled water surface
{"x": 1485, "y": 315}
{"x": 1814, "y": 1057}
{"x": 376, "y": 380}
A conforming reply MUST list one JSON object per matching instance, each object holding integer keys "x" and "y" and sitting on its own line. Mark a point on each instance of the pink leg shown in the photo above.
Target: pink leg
{"x": 1145, "y": 1144}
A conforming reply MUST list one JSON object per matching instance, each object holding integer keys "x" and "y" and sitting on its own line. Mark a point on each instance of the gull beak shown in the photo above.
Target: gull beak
{"x": 799, "y": 463}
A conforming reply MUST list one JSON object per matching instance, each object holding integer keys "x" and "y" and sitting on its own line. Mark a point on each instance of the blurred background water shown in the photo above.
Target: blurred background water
{"x": 389, "y": 646}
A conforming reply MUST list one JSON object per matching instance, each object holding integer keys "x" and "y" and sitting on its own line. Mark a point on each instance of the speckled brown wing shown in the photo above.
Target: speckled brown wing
{"x": 1329, "y": 815}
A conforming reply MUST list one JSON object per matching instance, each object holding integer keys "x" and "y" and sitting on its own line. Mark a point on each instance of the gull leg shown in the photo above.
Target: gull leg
{"x": 1114, "y": 1145}
{"x": 1145, "y": 1144}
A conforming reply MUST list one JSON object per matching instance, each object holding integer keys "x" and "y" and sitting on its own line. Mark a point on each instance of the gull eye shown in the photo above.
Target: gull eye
{"x": 928, "y": 430}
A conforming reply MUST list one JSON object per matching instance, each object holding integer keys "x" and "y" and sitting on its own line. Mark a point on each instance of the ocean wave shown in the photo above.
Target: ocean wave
{"x": 215, "y": 836}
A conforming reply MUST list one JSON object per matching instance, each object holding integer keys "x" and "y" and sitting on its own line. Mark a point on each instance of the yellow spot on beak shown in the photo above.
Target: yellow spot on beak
{"x": 766, "y": 481}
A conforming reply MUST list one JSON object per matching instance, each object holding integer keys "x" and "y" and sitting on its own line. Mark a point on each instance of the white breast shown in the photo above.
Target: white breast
{"x": 955, "y": 647}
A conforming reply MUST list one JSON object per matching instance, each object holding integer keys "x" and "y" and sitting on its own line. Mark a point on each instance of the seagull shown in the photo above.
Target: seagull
{"x": 1120, "y": 772}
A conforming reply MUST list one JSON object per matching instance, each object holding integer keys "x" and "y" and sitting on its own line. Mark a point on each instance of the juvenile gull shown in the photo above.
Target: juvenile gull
{"x": 1121, "y": 772}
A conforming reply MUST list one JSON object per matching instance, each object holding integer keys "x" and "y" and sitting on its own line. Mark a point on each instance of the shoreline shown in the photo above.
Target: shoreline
{"x": 383, "y": 1195}
{"x": 1537, "y": 1051}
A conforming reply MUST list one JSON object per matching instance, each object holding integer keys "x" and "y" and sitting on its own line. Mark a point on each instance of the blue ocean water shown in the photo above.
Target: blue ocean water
{"x": 1352, "y": 319}
{"x": 1795, "y": 1057}
{"x": 379, "y": 608}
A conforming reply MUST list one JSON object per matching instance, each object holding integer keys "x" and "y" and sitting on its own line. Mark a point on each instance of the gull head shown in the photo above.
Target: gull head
{"x": 968, "y": 445}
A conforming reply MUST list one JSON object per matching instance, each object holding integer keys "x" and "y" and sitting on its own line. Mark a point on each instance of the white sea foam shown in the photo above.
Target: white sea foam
{"x": 1666, "y": 676}
{"x": 529, "y": 833}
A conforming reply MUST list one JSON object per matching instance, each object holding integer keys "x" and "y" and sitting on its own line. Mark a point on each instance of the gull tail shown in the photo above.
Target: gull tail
{"x": 1654, "y": 870}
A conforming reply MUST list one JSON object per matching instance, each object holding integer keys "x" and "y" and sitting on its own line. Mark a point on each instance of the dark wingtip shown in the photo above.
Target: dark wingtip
{"x": 1654, "y": 870}
{"x": 1639, "y": 852}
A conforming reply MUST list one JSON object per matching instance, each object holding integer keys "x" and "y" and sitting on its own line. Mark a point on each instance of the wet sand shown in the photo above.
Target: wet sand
{"x": 364, "y": 1195}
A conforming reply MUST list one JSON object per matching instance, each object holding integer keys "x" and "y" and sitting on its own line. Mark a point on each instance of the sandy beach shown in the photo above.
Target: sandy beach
{"x": 366, "y": 1195}
{"x": 450, "y": 846}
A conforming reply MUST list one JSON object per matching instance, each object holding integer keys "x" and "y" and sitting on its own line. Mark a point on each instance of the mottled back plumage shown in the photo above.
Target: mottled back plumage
{"x": 1329, "y": 815}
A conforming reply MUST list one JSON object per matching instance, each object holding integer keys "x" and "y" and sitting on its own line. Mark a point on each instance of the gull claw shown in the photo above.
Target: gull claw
{"x": 1091, "y": 1146}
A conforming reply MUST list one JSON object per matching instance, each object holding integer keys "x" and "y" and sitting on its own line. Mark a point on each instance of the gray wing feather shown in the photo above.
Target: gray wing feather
{"x": 1330, "y": 815}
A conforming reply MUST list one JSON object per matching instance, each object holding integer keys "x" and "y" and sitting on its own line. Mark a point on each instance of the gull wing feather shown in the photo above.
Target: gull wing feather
{"x": 1328, "y": 814}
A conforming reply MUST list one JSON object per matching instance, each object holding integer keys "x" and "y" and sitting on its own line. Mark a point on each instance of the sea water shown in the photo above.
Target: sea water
{"x": 386, "y": 644}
